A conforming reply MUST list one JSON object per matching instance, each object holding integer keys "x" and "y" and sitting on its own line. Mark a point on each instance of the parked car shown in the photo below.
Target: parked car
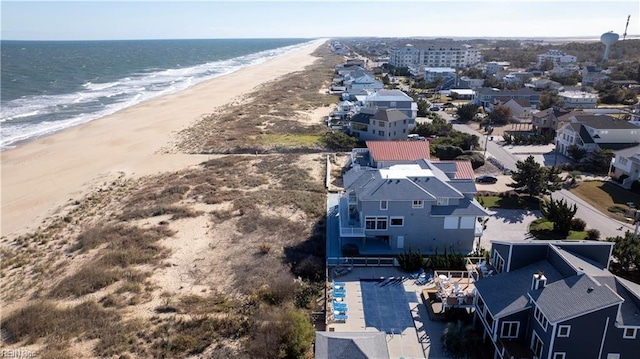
{"x": 486, "y": 179}
{"x": 434, "y": 108}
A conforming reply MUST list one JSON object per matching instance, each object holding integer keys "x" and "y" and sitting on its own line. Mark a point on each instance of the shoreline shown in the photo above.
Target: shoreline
{"x": 43, "y": 174}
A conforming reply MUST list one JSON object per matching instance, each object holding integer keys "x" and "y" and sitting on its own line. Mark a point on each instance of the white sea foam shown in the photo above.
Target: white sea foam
{"x": 32, "y": 117}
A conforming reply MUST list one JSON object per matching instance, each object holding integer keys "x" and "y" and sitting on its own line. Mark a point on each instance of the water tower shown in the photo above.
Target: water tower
{"x": 608, "y": 39}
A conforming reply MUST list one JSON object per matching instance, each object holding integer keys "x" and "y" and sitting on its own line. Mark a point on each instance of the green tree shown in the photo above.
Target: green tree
{"x": 500, "y": 115}
{"x": 554, "y": 181}
{"x": 626, "y": 252}
{"x": 459, "y": 340}
{"x": 423, "y": 107}
{"x": 534, "y": 179}
{"x": 340, "y": 141}
{"x": 467, "y": 112}
{"x": 549, "y": 99}
{"x": 546, "y": 65}
{"x": 560, "y": 213}
{"x": 574, "y": 176}
{"x": 436, "y": 127}
{"x": 601, "y": 159}
{"x": 576, "y": 152}
{"x": 473, "y": 73}
{"x": 448, "y": 152}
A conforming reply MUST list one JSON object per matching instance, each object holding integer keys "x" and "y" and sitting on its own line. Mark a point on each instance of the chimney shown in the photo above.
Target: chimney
{"x": 539, "y": 281}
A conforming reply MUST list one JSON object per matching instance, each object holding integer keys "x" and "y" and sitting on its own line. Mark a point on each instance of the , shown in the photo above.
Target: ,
{"x": 486, "y": 179}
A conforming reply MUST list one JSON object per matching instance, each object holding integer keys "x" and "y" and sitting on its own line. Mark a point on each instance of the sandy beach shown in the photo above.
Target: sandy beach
{"x": 40, "y": 176}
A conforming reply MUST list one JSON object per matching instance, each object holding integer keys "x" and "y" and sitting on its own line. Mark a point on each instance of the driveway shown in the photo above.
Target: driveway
{"x": 508, "y": 224}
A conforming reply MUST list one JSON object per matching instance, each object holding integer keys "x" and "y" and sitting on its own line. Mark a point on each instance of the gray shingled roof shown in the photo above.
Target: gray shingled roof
{"x": 467, "y": 207}
{"x": 361, "y": 117}
{"x": 506, "y": 293}
{"x": 573, "y": 296}
{"x": 390, "y": 115}
{"x": 584, "y": 135}
{"x": 351, "y": 345}
{"x": 605, "y": 122}
{"x": 369, "y": 185}
{"x": 464, "y": 186}
{"x": 629, "y": 313}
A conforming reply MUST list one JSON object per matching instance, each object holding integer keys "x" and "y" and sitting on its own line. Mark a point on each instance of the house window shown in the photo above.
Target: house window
{"x": 417, "y": 204}
{"x": 559, "y": 355}
{"x": 376, "y": 223}
{"x": 381, "y": 133}
{"x": 630, "y": 333}
{"x": 536, "y": 345}
{"x": 442, "y": 201}
{"x": 613, "y": 356}
{"x": 540, "y": 318}
{"x": 510, "y": 329}
{"x": 563, "y": 331}
{"x": 397, "y": 221}
{"x": 392, "y": 104}
{"x": 451, "y": 222}
{"x": 383, "y": 205}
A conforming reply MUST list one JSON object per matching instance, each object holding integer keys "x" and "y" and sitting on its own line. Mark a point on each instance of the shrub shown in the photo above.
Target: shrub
{"x": 578, "y": 224}
{"x": 264, "y": 248}
{"x": 616, "y": 209}
{"x": 410, "y": 261}
{"x": 593, "y": 235}
{"x": 476, "y": 158}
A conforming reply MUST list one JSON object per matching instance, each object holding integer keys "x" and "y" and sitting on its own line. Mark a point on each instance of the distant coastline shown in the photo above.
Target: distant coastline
{"x": 41, "y": 98}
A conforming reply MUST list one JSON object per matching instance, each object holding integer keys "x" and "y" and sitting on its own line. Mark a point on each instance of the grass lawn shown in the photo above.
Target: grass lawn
{"x": 290, "y": 140}
{"x": 604, "y": 196}
{"x": 510, "y": 202}
{"x": 542, "y": 228}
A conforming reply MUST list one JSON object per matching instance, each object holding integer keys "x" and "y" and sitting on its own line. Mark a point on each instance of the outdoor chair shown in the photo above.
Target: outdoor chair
{"x": 424, "y": 280}
{"x": 339, "y": 295}
{"x": 340, "y": 306}
{"x": 340, "y": 317}
{"x": 337, "y": 285}
{"x": 417, "y": 274}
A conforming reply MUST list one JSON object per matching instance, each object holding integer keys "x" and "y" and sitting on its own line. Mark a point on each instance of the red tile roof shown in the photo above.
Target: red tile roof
{"x": 465, "y": 170}
{"x": 398, "y": 150}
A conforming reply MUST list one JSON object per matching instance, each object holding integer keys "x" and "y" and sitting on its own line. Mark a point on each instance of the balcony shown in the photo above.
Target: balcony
{"x": 350, "y": 223}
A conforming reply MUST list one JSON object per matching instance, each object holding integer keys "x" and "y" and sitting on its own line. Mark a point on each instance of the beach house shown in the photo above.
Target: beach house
{"x": 422, "y": 204}
{"x": 394, "y": 99}
{"x": 379, "y": 124}
{"x": 486, "y": 95}
{"x": 590, "y": 132}
{"x": 626, "y": 166}
{"x": 557, "y": 300}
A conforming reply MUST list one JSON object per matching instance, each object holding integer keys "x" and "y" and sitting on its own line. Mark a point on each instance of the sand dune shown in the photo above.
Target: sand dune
{"x": 40, "y": 176}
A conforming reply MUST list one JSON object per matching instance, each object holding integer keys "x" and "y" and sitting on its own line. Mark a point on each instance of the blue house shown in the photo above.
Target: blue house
{"x": 421, "y": 204}
{"x": 557, "y": 300}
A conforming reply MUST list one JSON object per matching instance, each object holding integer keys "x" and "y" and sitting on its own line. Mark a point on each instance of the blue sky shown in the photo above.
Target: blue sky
{"x": 108, "y": 20}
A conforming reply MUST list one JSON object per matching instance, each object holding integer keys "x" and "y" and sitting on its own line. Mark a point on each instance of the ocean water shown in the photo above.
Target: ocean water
{"x": 48, "y": 86}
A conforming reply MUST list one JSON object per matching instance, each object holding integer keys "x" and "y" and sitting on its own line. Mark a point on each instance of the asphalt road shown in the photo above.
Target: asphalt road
{"x": 607, "y": 226}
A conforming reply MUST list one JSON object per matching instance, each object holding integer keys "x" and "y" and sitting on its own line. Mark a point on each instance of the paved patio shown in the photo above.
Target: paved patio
{"x": 377, "y": 303}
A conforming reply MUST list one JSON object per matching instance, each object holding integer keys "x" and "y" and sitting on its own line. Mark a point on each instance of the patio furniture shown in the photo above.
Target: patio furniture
{"x": 340, "y": 306}
{"x": 339, "y": 295}
{"x": 337, "y": 285}
{"x": 416, "y": 275}
{"x": 424, "y": 280}
{"x": 340, "y": 317}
